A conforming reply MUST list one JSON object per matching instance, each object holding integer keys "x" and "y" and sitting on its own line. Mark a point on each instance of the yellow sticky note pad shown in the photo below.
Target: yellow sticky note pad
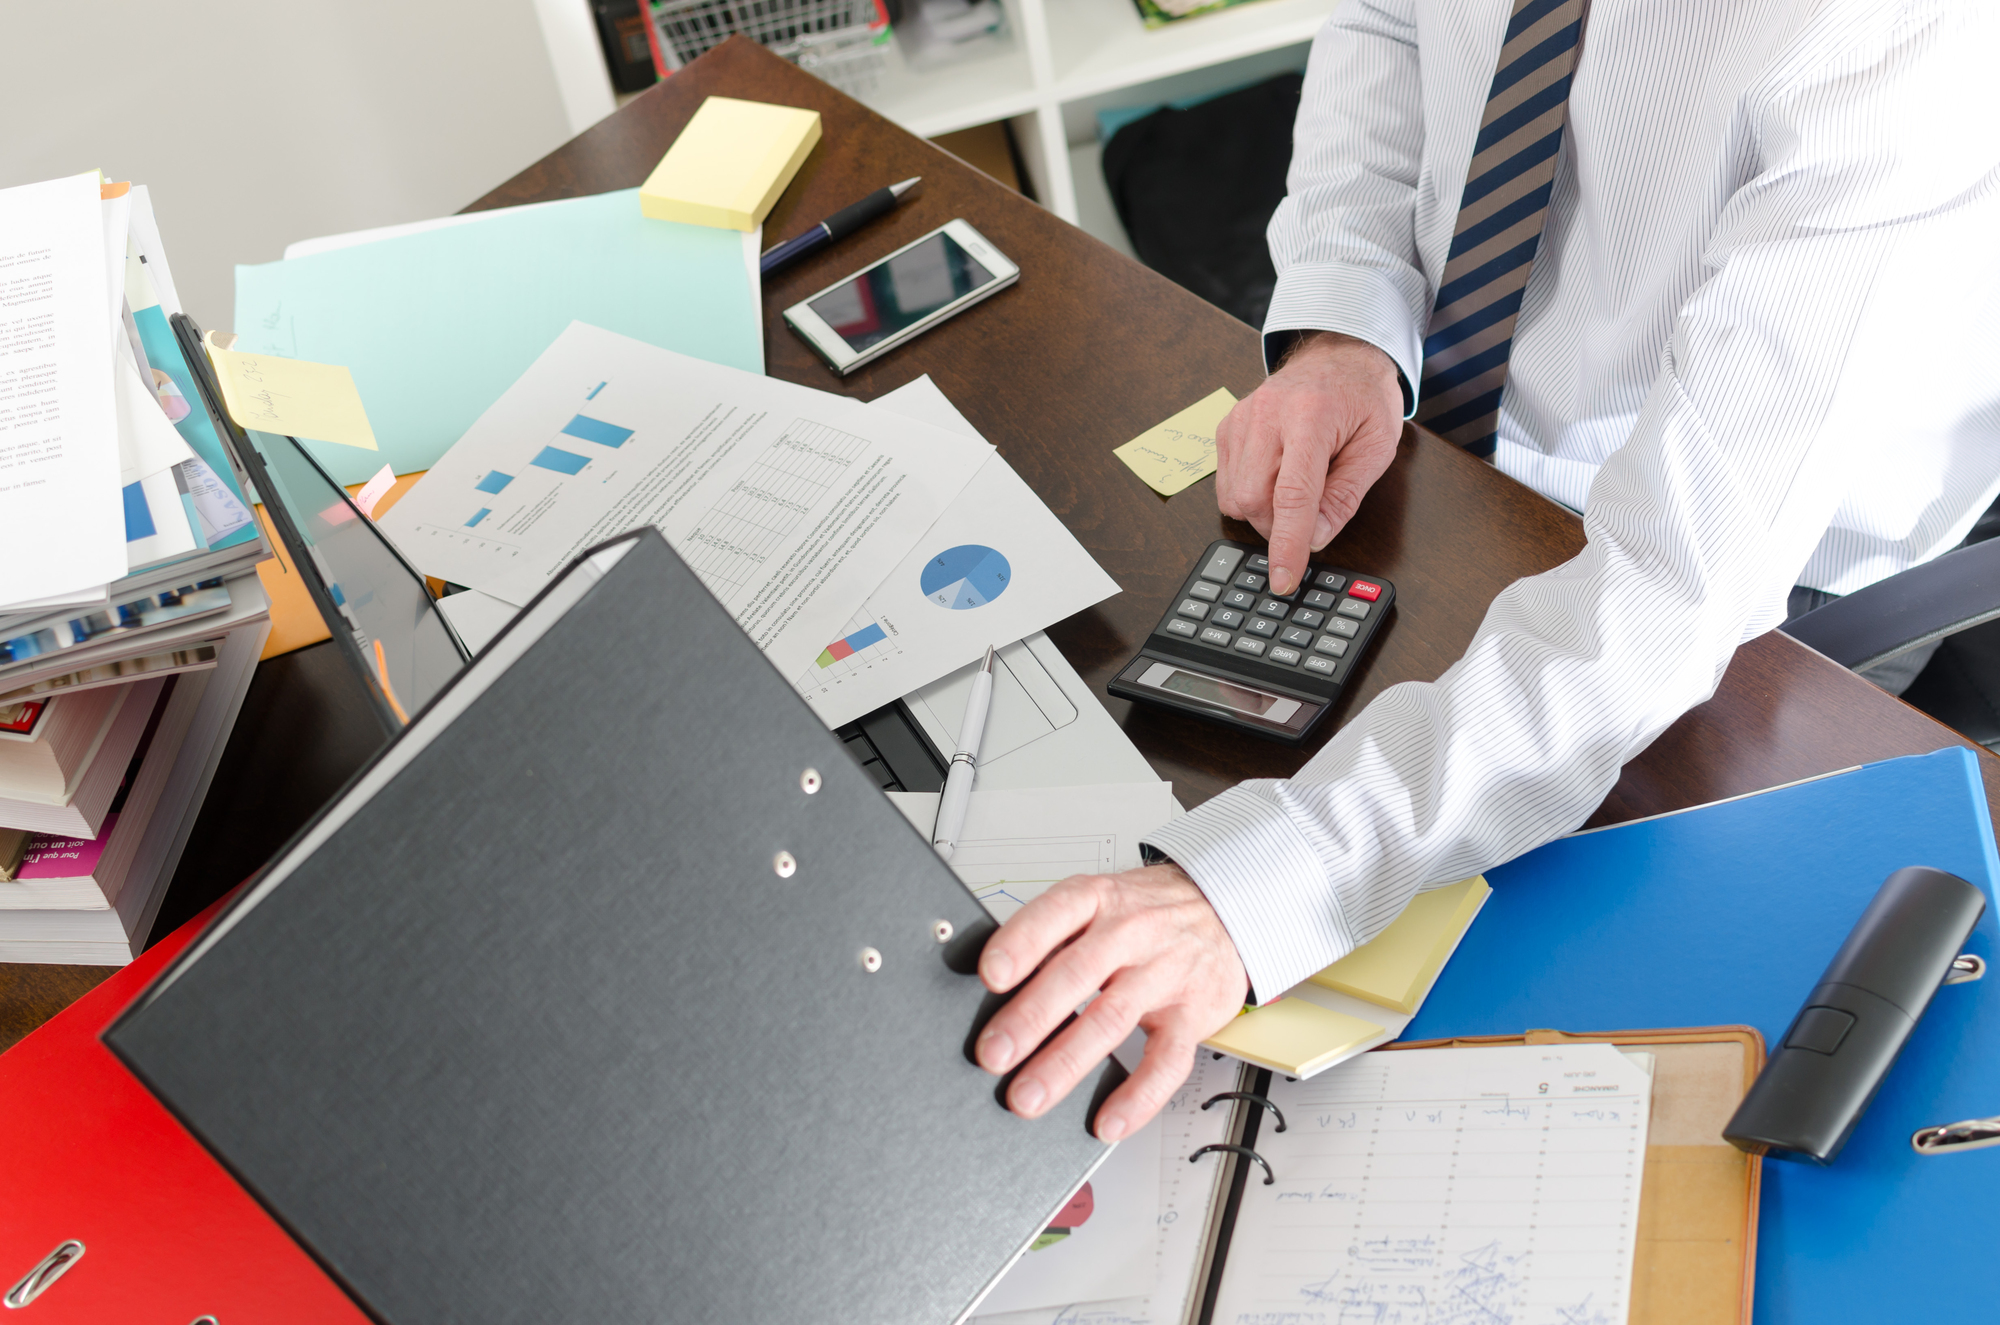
{"x": 1292, "y": 1036}
{"x": 314, "y": 401}
{"x": 730, "y": 163}
{"x": 1180, "y": 452}
{"x": 1397, "y": 967}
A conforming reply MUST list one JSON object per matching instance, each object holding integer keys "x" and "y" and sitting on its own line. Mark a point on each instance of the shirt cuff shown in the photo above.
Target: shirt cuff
{"x": 1266, "y": 883}
{"x": 1361, "y": 302}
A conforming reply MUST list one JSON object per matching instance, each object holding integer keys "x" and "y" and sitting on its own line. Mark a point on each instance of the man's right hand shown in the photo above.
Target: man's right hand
{"x": 1295, "y": 457}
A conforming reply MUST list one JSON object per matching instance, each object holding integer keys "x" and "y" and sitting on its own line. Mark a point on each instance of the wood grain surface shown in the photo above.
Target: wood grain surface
{"x": 1086, "y": 352}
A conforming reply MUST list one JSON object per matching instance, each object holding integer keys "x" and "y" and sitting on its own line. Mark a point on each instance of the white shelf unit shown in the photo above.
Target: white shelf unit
{"x": 1058, "y": 62}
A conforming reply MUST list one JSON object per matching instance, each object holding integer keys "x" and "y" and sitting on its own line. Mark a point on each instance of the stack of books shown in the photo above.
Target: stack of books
{"x": 131, "y": 617}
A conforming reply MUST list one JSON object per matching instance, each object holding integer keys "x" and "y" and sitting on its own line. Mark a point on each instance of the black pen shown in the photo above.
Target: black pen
{"x": 838, "y": 226}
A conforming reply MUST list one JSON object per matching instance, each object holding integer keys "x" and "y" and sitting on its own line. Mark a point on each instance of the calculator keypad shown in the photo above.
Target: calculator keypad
{"x": 1229, "y": 605}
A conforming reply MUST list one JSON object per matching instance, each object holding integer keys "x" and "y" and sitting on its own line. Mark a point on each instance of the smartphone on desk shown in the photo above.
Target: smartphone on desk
{"x": 904, "y": 295}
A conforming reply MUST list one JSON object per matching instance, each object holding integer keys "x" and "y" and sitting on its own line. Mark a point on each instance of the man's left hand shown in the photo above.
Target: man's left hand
{"x": 1154, "y": 947}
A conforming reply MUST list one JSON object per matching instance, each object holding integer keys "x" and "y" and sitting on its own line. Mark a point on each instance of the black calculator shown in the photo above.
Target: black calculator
{"x": 1232, "y": 651}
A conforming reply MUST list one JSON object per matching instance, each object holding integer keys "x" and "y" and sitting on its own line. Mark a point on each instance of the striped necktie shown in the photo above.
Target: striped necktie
{"x": 1500, "y": 218}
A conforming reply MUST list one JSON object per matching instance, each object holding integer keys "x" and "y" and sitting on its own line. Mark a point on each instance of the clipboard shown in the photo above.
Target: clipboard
{"x": 1696, "y": 1257}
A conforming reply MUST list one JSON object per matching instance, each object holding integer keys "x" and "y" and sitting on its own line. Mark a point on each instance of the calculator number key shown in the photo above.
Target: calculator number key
{"x": 1320, "y": 598}
{"x": 1293, "y": 635}
{"x": 1328, "y": 581}
{"x": 1274, "y": 609}
{"x": 1226, "y": 617}
{"x": 1263, "y": 626}
{"x": 1249, "y": 581}
{"x": 1308, "y": 618}
{"x": 1238, "y": 598}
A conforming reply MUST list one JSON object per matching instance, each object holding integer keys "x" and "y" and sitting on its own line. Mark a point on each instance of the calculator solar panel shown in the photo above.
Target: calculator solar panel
{"x": 1230, "y": 650}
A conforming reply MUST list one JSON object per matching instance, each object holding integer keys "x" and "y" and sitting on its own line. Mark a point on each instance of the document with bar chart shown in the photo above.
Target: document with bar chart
{"x": 791, "y": 504}
{"x": 996, "y": 567}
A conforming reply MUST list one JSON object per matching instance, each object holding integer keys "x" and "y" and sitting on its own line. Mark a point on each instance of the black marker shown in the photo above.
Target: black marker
{"x": 838, "y": 226}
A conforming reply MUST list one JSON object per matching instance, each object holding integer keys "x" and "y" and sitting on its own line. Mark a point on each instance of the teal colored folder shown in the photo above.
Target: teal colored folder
{"x": 1728, "y": 914}
{"x": 435, "y": 325}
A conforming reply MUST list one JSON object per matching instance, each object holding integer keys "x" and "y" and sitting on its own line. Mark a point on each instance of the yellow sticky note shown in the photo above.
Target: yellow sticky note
{"x": 1292, "y": 1036}
{"x": 1180, "y": 452}
{"x": 728, "y": 166}
{"x": 315, "y": 401}
{"x": 1397, "y": 967}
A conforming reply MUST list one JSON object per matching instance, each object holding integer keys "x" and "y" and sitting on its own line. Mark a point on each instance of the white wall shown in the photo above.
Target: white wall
{"x": 258, "y": 122}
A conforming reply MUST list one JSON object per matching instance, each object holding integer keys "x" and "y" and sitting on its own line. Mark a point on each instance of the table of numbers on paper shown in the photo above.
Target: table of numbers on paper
{"x": 1494, "y": 1186}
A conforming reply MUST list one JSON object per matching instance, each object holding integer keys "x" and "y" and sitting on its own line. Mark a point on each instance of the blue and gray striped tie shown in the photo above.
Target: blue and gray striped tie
{"x": 1500, "y": 219}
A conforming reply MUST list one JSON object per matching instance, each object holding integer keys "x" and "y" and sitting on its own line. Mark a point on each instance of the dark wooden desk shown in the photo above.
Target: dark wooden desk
{"x": 1088, "y": 351}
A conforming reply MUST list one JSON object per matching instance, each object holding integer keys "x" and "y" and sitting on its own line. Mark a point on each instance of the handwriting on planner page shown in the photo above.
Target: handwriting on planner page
{"x": 1447, "y": 1185}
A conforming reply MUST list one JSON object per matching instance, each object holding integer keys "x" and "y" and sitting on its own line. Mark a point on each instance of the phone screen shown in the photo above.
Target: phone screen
{"x": 900, "y": 292}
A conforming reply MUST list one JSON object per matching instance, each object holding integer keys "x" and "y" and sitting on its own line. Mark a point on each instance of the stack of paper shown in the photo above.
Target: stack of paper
{"x": 869, "y": 550}
{"x": 127, "y": 556}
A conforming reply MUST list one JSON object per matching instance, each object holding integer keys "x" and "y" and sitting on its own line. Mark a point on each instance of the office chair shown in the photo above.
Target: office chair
{"x": 1954, "y": 598}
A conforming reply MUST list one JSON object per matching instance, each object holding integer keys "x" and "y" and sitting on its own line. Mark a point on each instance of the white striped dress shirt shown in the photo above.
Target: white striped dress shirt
{"x": 1758, "y": 348}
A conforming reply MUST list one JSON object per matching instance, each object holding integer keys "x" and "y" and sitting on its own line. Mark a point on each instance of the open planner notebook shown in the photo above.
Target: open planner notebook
{"x": 1545, "y": 1180}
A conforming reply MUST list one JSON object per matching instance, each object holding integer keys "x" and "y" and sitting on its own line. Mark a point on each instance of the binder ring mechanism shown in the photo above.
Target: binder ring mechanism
{"x": 1245, "y": 1151}
{"x": 1954, "y": 1138}
{"x": 1276, "y": 1112}
{"x": 52, "y": 1267}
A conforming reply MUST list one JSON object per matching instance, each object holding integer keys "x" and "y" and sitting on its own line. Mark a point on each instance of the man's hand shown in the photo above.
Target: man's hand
{"x": 1296, "y": 456}
{"x": 1150, "y": 941}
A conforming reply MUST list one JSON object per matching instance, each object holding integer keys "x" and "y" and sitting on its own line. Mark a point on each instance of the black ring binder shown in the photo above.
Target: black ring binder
{"x": 1269, "y": 1177}
{"x": 1276, "y": 1112}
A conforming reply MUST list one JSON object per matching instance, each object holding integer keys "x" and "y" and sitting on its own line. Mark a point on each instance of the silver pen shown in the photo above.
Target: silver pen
{"x": 965, "y": 764}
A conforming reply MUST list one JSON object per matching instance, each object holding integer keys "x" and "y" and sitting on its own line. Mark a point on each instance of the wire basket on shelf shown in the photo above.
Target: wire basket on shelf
{"x": 844, "y": 42}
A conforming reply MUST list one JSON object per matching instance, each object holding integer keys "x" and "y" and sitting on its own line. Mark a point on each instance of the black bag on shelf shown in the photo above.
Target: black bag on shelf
{"x": 1195, "y": 189}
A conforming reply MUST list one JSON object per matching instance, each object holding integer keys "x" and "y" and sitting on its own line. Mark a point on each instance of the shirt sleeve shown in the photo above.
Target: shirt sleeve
{"x": 1344, "y": 239}
{"x": 1864, "y": 234}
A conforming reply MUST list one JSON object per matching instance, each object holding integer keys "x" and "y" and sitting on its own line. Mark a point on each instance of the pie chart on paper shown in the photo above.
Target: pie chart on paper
{"x": 966, "y": 576}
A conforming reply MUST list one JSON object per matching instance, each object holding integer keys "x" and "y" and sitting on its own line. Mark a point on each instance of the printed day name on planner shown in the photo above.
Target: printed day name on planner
{"x": 1447, "y": 1185}
{"x": 791, "y": 504}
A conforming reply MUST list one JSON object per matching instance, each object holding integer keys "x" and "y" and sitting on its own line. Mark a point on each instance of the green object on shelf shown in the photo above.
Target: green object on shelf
{"x": 1159, "y": 13}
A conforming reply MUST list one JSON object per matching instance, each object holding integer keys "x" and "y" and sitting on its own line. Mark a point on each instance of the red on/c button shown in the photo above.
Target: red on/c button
{"x": 1363, "y": 589}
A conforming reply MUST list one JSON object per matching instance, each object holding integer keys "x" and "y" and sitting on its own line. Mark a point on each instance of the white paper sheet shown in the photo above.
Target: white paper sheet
{"x": 62, "y": 520}
{"x": 1448, "y": 1184}
{"x": 791, "y": 504}
{"x": 172, "y": 535}
{"x": 997, "y": 565}
{"x": 1017, "y": 843}
{"x": 1179, "y": 1226}
{"x": 476, "y": 616}
{"x": 1109, "y": 1251}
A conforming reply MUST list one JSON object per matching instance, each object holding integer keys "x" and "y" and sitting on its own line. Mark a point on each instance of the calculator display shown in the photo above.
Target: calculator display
{"x": 1219, "y": 692}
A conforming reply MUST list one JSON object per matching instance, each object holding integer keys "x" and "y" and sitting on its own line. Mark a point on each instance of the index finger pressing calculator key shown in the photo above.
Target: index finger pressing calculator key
{"x": 1232, "y": 651}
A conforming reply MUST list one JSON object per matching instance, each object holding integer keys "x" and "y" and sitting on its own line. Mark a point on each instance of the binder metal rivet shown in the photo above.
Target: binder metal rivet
{"x": 204, "y": 1320}
{"x": 1965, "y": 968}
{"x": 942, "y": 931}
{"x": 809, "y": 781}
{"x": 871, "y": 960}
{"x": 52, "y": 1267}
{"x": 786, "y": 864}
